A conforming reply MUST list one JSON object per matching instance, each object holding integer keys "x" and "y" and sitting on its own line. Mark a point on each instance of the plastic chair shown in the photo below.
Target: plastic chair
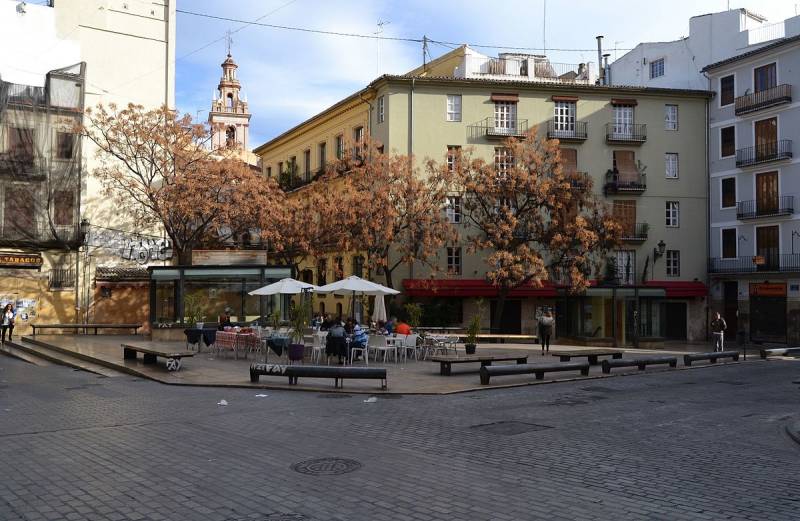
{"x": 361, "y": 348}
{"x": 193, "y": 337}
{"x": 378, "y": 343}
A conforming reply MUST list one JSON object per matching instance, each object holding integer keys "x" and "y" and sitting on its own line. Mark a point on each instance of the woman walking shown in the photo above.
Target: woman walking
{"x": 546, "y": 322}
{"x": 8, "y": 321}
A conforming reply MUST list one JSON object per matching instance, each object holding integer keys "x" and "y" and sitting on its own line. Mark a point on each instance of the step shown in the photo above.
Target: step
{"x": 14, "y": 352}
{"x": 47, "y": 353}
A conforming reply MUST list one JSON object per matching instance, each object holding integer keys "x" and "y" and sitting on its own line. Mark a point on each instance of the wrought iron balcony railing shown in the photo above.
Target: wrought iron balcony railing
{"x": 764, "y": 153}
{"x": 635, "y": 232}
{"x": 492, "y": 129}
{"x": 763, "y": 99}
{"x": 624, "y": 183}
{"x": 577, "y": 131}
{"x": 773, "y": 262}
{"x": 629, "y": 133}
{"x": 781, "y": 206}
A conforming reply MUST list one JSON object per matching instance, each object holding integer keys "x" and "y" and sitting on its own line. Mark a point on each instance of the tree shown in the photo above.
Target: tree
{"x": 392, "y": 212}
{"x": 535, "y": 220}
{"x": 157, "y": 167}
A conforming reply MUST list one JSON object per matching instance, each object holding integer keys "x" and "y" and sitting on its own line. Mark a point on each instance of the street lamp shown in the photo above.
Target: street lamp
{"x": 795, "y": 233}
{"x": 85, "y": 225}
{"x": 659, "y": 250}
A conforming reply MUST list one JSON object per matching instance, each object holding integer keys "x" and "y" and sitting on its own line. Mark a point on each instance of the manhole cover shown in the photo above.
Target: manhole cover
{"x": 326, "y": 466}
{"x": 334, "y": 395}
{"x": 510, "y": 428}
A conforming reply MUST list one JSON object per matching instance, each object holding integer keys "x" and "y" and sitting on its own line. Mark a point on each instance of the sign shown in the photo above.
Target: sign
{"x": 759, "y": 260}
{"x": 766, "y": 289}
{"x": 229, "y": 257}
{"x": 21, "y": 260}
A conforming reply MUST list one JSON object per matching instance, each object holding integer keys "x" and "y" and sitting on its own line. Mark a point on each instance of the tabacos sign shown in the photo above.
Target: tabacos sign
{"x": 30, "y": 261}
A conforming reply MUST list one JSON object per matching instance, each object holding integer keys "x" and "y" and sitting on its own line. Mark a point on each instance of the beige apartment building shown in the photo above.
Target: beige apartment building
{"x": 643, "y": 147}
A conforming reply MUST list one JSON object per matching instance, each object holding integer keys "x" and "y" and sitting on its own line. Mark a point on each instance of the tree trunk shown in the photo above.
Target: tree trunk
{"x": 388, "y": 274}
{"x": 184, "y": 256}
{"x": 498, "y": 310}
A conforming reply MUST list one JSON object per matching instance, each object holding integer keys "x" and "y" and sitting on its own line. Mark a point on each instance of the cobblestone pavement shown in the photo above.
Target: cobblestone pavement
{"x": 697, "y": 444}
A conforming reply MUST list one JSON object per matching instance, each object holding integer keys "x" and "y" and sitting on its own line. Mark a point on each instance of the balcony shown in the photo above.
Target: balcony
{"x": 39, "y": 234}
{"x": 578, "y": 132}
{"x": 781, "y": 207}
{"x": 627, "y": 183}
{"x": 764, "y": 153}
{"x": 764, "y": 99}
{"x": 784, "y": 262}
{"x": 490, "y": 129}
{"x": 523, "y": 67}
{"x": 580, "y": 182}
{"x": 626, "y": 134}
{"x": 635, "y": 232}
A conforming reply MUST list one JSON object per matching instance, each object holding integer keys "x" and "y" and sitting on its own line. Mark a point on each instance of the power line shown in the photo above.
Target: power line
{"x": 375, "y": 36}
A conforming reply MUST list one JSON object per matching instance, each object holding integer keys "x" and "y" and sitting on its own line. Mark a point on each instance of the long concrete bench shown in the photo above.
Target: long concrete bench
{"x": 447, "y": 361}
{"x": 590, "y": 354}
{"x": 151, "y": 353}
{"x": 711, "y": 357}
{"x": 85, "y": 327}
{"x": 780, "y": 351}
{"x": 641, "y": 363}
{"x": 293, "y": 372}
{"x": 538, "y": 369}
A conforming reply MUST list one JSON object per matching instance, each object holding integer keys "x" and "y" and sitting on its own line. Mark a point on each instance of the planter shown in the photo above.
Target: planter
{"x": 200, "y": 325}
{"x": 296, "y": 352}
{"x": 470, "y": 348}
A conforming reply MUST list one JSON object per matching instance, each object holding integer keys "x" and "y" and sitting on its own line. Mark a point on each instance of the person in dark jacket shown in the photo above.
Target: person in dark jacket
{"x": 718, "y": 327}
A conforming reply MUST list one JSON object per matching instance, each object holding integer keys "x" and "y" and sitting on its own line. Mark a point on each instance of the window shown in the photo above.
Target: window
{"x": 503, "y": 160}
{"x": 65, "y": 145}
{"x": 453, "y": 153}
{"x": 564, "y": 117}
{"x": 727, "y": 138}
{"x": 358, "y": 266}
{"x": 671, "y": 164}
{"x": 269, "y": 171}
{"x": 339, "y": 146}
{"x": 63, "y": 208}
{"x": 673, "y": 214}
{"x": 454, "y": 260}
{"x": 280, "y": 168}
{"x": 453, "y": 107}
{"x": 670, "y": 117}
{"x": 322, "y": 272}
{"x": 657, "y": 68}
{"x": 726, "y": 91}
{"x": 673, "y": 263}
{"x": 292, "y": 166}
{"x": 338, "y": 267}
{"x": 381, "y": 109}
{"x": 569, "y": 160}
{"x": 728, "y": 192}
{"x": 453, "y": 209}
{"x": 765, "y": 77}
{"x": 623, "y": 121}
{"x": 230, "y": 137}
{"x": 307, "y": 165}
{"x": 624, "y": 165}
{"x": 20, "y": 143}
{"x": 505, "y": 117}
{"x": 626, "y": 266}
{"x": 322, "y": 159}
{"x": 729, "y": 245}
{"x": 358, "y": 140}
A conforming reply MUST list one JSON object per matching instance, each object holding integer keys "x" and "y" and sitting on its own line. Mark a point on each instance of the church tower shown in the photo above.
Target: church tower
{"x": 229, "y": 117}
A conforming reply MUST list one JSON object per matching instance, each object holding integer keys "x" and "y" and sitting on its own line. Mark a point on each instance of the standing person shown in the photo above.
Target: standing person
{"x": 8, "y": 320}
{"x": 546, "y": 323}
{"x": 718, "y": 327}
{"x": 11, "y": 322}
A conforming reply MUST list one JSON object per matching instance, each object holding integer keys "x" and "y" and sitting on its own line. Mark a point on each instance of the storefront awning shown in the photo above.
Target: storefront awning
{"x": 680, "y": 288}
{"x": 470, "y": 288}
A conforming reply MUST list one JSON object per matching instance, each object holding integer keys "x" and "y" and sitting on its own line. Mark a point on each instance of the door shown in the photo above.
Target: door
{"x": 767, "y": 248}
{"x": 675, "y": 320}
{"x": 768, "y": 312}
{"x": 625, "y": 167}
{"x": 505, "y": 117}
{"x": 730, "y": 311}
{"x": 767, "y": 193}
{"x": 625, "y": 213}
{"x": 765, "y": 77}
{"x": 623, "y": 121}
{"x": 511, "y": 321}
{"x": 626, "y": 266}
{"x": 766, "y": 133}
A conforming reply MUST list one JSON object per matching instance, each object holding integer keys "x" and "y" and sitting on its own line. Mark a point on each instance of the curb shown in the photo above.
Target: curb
{"x": 793, "y": 430}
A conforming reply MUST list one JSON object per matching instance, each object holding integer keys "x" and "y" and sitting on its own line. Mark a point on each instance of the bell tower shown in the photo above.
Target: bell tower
{"x": 229, "y": 117}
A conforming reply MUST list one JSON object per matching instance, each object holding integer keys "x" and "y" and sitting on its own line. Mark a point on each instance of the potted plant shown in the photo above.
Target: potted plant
{"x": 192, "y": 306}
{"x": 298, "y": 318}
{"x": 472, "y": 335}
{"x": 414, "y": 312}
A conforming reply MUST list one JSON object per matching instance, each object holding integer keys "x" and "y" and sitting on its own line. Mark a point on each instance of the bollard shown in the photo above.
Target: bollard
{"x": 741, "y": 339}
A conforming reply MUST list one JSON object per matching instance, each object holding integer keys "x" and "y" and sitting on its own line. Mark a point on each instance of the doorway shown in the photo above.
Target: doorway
{"x": 767, "y": 193}
{"x": 511, "y": 321}
{"x": 767, "y": 248}
{"x": 675, "y": 320}
{"x": 730, "y": 310}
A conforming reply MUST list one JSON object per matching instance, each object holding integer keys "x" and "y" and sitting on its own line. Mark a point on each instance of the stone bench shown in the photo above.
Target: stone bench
{"x": 85, "y": 327}
{"x": 293, "y": 372}
{"x": 538, "y": 369}
{"x": 150, "y": 354}
{"x": 485, "y": 360}
{"x": 641, "y": 363}
{"x": 590, "y": 354}
{"x": 711, "y": 357}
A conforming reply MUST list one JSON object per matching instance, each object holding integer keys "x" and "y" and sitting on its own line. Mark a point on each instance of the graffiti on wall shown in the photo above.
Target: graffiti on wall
{"x": 131, "y": 247}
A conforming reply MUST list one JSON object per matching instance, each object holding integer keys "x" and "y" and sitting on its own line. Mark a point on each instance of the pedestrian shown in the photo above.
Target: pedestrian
{"x": 718, "y": 327}
{"x": 8, "y": 321}
{"x": 546, "y": 322}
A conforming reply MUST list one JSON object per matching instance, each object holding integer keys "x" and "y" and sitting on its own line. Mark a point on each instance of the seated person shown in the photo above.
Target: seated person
{"x": 390, "y": 325}
{"x": 224, "y": 321}
{"x": 334, "y": 343}
{"x": 402, "y": 328}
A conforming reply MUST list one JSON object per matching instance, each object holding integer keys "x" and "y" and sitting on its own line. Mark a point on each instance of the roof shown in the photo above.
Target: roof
{"x": 755, "y": 52}
{"x": 118, "y": 274}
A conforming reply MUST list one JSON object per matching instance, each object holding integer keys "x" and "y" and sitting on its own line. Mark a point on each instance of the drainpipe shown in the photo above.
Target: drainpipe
{"x": 411, "y": 146}
{"x": 708, "y": 210}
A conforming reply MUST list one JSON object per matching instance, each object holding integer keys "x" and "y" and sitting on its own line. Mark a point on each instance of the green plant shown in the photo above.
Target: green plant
{"x": 274, "y": 319}
{"x": 414, "y": 312}
{"x": 298, "y": 318}
{"x": 193, "y": 308}
{"x": 473, "y": 329}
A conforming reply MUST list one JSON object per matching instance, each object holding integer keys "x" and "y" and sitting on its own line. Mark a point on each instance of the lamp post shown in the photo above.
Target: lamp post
{"x": 85, "y": 226}
{"x": 658, "y": 252}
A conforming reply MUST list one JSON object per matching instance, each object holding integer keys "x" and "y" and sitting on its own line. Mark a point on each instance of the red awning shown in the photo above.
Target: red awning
{"x": 470, "y": 288}
{"x": 680, "y": 288}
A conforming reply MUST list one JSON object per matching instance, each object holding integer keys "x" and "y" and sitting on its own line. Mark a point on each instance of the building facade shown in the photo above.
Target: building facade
{"x": 639, "y": 145}
{"x": 754, "y": 187}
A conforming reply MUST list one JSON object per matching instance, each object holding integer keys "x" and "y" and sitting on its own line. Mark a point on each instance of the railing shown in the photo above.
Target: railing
{"x": 580, "y": 182}
{"x": 557, "y": 130}
{"x": 625, "y": 182}
{"x": 489, "y": 128}
{"x": 62, "y": 278}
{"x": 635, "y": 231}
{"x": 41, "y": 233}
{"x": 766, "y": 33}
{"x": 763, "y": 99}
{"x": 24, "y": 94}
{"x": 632, "y": 133}
{"x": 528, "y": 68}
{"x": 781, "y": 206}
{"x": 774, "y": 262}
{"x": 764, "y": 153}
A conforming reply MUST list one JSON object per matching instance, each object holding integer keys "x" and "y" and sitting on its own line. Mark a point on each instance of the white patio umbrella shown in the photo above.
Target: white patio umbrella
{"x": 379, "y": 313}
{"x": 353, "y": 285}
{"x": 287, "y": 286}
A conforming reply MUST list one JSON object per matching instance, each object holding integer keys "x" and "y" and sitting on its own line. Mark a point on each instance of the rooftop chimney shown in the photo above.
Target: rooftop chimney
{"x": 606, "y": 70}
{"x": 601, "y": 75}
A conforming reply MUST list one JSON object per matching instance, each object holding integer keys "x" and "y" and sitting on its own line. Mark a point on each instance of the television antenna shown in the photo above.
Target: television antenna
{"x": 380, "y": 25}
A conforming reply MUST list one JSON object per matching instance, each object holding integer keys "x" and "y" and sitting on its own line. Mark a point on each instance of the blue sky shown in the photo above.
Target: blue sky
{"x": 288, "y": 76}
